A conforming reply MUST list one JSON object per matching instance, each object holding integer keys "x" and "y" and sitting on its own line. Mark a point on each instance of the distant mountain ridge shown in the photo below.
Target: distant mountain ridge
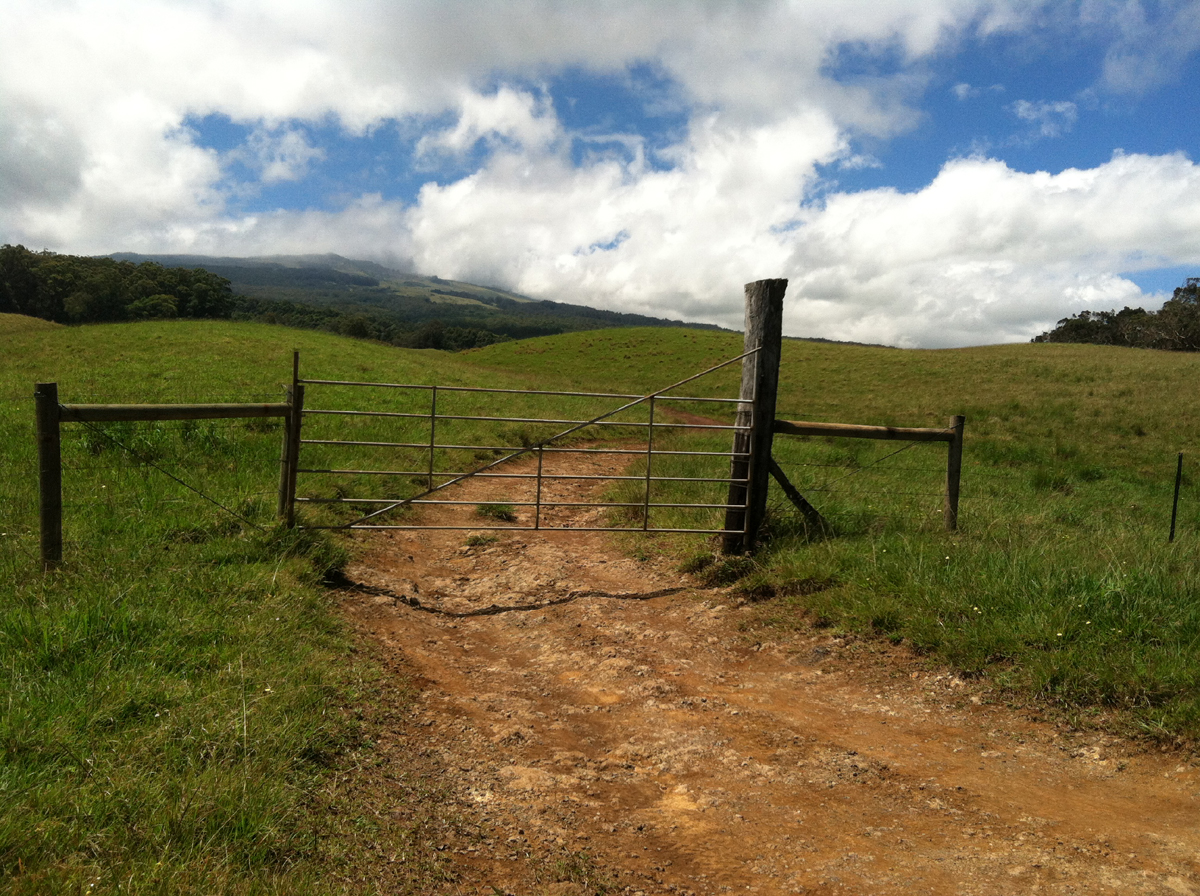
{"x": 326, "y": 261}
{"x": 357, "y": 287}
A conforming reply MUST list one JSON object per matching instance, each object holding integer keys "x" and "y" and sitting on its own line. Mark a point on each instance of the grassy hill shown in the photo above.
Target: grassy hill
{"x": 181, "y": 693}
{"x": 19, "y": 323}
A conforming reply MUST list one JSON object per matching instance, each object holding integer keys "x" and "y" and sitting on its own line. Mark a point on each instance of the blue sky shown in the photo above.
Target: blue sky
{"x": 934, "y": 173}
{"x": 971, "y": 106}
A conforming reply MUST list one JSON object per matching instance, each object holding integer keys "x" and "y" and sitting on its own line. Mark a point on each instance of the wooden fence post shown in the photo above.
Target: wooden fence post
{"x": 954, "y": 471}
{"x": 1175, "y": 500}
{"x": 756, "y": 411}
{"x": 294, "y": 429}
{"x": 287, "y": 461}
{"x": 49, "y": 473}
{"x": 285, "y": 456}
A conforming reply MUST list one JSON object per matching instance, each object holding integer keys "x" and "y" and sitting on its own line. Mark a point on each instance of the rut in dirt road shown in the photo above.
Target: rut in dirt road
{"x": 609, "y": 706}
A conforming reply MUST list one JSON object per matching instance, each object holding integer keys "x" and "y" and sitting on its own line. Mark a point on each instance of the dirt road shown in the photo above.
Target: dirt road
{"x": 644, "y": 726}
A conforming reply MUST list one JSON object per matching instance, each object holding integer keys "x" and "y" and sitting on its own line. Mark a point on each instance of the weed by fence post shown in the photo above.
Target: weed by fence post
{"x": 1175, "y": 502}
{"x": 49, "y": 473}
{"x": 756, "y": 413}
{"x": 954, "y": 471}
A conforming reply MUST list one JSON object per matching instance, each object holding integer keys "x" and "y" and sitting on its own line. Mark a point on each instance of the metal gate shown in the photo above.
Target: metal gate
{"x": 394, "y": 438}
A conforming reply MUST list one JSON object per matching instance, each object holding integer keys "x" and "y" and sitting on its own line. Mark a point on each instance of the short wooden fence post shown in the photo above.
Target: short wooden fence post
{"x": 1175, "y": 500}
{"x": 756, "y": 412}
{"x": 953, "y": 471}
{"x": 285, "y": 456}
{"x": 295, "y": 424}
{"x": 49, "y": 473}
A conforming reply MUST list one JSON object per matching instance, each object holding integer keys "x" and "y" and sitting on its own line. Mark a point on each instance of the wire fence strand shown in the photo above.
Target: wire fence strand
{"x": 172, "y": 476}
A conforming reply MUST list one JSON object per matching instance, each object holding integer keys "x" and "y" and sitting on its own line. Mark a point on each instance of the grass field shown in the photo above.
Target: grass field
{"x": 177, "y": 695}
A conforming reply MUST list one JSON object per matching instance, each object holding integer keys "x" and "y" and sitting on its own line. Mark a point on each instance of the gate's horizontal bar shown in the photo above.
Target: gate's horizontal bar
{"x": 368, "y": 444}
{"x": 700, "y": 426}
{"x": 854, "y": 431}
{"x": 641, "y": 452}
{"x": 543, "y": 528}
{"x": 308, "y": 411}
{"x": 516, "y": 391}
{"x": 103, "y": 413}
{"x": 651, "y": 505}
{"x": 641, "y": 425}
{"x": 417, "y": 501}
{"x": 629, "y": 478}
{"x": 694, "y": 479}
{"x": 350, "y": 383}
{"x": 424, "y": 474}
{"x": 657, "y": 453}
{"x": 425, "y": 447}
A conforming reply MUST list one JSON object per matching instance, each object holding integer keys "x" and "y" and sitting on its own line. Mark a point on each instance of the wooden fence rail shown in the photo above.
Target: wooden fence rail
{"x": 952, "y": 434}
{"x": 51, "y": 414}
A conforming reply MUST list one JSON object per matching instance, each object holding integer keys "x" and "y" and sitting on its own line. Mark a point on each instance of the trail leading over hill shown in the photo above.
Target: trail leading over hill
{"x": 656, "y": 734}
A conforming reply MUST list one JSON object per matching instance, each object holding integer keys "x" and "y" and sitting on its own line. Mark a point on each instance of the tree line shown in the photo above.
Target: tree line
{"x": 81, "y": 289}
{"x": 360, "y": 324}
{"x": 1174, "y": 327}
{"x": 75, "y": 289}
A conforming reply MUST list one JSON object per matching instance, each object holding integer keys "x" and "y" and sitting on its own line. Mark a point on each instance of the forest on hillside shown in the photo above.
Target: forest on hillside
{"x": 82, "y": 289}
{"x": 75, "y": 289}
{"x": 1174, "y": 327}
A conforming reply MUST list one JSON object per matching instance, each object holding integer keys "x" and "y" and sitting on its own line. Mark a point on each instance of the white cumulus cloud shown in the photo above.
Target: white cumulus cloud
{"x": 986, "y": 253}
{"x": 279, "y": 154}
{"x": 1049, "y": 119}
{"x": 96, "y": 153}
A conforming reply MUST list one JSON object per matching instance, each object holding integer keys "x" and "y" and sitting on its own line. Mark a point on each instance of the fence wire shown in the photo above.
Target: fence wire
{"x": 171, "y": 479}
{"x": 857, "y": 483}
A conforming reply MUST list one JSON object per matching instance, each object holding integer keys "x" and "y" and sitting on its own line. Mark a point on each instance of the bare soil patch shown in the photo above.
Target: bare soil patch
{"x": 606, "y": 724}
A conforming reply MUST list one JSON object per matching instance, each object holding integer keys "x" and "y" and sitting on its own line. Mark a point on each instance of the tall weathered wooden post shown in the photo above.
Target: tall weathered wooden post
{"x": 289, "y": 458}
{"x": 49, "y": 473}
{"x": 953, "y": 471}
{"x": 756, "y": 413}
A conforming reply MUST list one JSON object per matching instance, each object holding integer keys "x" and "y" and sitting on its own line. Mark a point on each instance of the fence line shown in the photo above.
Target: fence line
{"x": 51, "y": 415}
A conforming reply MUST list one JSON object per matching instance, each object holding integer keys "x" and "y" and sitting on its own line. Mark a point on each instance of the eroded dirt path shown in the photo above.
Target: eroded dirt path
{"x": 660, "y": 736}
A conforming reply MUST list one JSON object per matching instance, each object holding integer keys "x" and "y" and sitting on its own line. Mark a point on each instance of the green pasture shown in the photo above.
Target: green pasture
{"x": 178, "y": 695}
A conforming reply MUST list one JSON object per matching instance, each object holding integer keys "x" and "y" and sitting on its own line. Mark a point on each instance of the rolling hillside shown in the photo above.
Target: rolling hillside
{"x": 362, "y": 287}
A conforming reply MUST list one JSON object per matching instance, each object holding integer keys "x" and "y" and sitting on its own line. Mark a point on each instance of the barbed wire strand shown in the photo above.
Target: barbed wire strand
{"x": 170, "y": 475}
{"x": 830, "y": 485}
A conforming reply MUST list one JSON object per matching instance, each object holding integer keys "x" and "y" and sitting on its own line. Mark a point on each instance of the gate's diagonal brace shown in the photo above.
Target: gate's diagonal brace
{"x": 812, "y": 516}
